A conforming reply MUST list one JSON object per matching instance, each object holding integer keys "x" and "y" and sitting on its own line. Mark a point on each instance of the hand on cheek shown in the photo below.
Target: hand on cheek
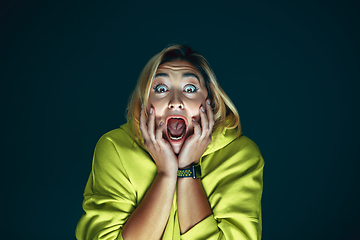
{"x": 160, "y": 149}
{"x": 196, "y": 144}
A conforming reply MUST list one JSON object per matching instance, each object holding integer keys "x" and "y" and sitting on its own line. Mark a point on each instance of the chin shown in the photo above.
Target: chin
{"x": 176, "y": 148}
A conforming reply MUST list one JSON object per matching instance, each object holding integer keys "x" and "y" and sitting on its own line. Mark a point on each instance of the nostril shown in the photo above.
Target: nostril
{"x": 179, "y": 106}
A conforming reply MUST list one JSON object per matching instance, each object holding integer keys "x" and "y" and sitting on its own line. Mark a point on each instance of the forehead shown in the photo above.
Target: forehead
{"x": 178, "y": 66}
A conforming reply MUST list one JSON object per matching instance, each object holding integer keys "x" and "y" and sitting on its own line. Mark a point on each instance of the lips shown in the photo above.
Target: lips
{"x": 176, "y": 128}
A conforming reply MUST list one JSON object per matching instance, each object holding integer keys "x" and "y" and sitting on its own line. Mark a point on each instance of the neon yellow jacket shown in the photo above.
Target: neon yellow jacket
{"x": 122, "y": 171}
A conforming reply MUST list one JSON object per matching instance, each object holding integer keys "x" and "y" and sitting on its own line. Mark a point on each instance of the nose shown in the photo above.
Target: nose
{"x": 175, "y": 103}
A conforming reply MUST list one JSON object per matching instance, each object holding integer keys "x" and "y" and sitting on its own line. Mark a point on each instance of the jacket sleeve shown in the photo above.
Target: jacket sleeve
{"x": 109, "y": 197}
{"x": 233, "y": 182}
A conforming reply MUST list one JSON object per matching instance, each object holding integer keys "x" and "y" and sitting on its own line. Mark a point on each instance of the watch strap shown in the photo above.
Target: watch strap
{"x": 193, "y": 172}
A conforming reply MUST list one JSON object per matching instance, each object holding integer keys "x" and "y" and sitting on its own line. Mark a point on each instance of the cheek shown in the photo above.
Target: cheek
{"x": 159, "y": 106}
{"x": 194, "y": 107}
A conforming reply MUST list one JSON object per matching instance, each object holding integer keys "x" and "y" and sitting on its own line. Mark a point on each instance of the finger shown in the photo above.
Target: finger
{"x": 204, "y": 122}
{"x": 159, "y": 135}
{"x": 159, "y": 131}
{"x": 143, "y": 126}
{"x": 197, "y": 128}
{"x": 151, "y": 125}
{"x": 210, "y": 115}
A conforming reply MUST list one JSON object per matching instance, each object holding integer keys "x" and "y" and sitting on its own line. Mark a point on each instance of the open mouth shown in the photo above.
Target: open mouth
{"x": 176, "y": 128}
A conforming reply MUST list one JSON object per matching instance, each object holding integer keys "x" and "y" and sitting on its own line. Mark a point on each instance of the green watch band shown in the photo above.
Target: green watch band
{"x": 193, "y": 171}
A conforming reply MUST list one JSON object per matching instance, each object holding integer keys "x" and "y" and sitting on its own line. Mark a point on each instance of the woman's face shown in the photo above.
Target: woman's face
{"x": 177, "y": 93}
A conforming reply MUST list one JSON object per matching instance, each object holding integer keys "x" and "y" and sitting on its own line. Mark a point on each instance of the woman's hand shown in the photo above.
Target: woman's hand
{"x": 160, "y": 149}
{"x": 195, "y": 146}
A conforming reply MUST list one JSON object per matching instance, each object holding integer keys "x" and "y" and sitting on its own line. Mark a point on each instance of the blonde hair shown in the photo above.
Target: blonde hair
{"x": 225, "y": 113}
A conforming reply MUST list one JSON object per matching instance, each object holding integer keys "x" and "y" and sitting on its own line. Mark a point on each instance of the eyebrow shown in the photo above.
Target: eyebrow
{"x": 184, "y": 75}
{"x": 161, "y": 75}
{"x": 191, "y": 75}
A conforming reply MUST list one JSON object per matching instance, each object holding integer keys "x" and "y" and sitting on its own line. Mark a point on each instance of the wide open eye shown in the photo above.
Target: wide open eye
{"x": 190, "y": 88}
{"x": 161, "y": 88}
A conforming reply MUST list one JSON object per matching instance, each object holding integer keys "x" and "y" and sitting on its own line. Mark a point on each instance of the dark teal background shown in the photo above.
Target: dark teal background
{"x": 292, "y": 68}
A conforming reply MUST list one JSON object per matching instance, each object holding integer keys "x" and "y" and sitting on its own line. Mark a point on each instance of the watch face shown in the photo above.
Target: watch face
{"x": 197, "y": 171}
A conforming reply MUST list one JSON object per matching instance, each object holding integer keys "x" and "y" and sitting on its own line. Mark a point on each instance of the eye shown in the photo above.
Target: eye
{"x": 190, "y": 88}
{"x": 161, "y": 88}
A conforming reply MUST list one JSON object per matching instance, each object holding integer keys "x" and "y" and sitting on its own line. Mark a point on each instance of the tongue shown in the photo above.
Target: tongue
{"x": 176, "y": 126}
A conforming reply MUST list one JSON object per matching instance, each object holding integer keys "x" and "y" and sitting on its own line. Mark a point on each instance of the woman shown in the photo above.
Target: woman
{"x": 180, "y": 167}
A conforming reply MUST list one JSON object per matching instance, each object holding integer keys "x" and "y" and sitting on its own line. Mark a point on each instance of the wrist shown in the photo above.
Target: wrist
{"x": 187, "y": 165}
{"x": 168, "y": 175}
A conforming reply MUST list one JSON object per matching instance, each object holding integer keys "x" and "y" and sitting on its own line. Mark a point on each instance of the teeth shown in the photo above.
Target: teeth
{"x": 176, "y": 138}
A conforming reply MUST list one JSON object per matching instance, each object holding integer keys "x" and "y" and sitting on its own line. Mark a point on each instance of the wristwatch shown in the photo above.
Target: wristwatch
{"x": 193, "y": 171}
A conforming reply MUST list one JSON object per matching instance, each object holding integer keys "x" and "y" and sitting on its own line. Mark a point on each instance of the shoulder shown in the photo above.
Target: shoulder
{"x": 246, "y": 145}
{"x": 119, "y": 137}
{"x": 245, "y": 151}
{"x": 230, "y": 143}
{"x": 120, "y": 144}
{"x": 118, "y": 154}
{"x": 239, "y": 154}
{"x": 112, "y": 149}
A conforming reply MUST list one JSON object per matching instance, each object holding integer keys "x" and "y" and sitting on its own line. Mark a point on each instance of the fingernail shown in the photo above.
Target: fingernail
{"x": 193, "y": 119}
{"x": 142, "y": 105}
{"x": 208, "y": 101}
{"x": 161, "y": 123}
{"x": 202, "y": 109}
{"x": 151, "y": 110}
